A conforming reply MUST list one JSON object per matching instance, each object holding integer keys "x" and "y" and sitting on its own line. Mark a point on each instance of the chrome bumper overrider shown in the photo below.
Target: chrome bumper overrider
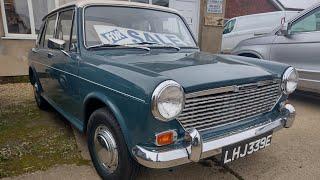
{"x": 199, "y": 150}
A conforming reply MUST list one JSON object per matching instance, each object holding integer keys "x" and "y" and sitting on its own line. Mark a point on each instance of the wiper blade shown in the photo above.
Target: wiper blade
{"x": 118, "y": 45}
{"x": 169, "y": 46}
{"x": 158, "y": 45}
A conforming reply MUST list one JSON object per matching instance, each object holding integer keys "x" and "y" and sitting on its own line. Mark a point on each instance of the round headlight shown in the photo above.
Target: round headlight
{"x": 167, "y": 100}
{"x": 290, "y": 80}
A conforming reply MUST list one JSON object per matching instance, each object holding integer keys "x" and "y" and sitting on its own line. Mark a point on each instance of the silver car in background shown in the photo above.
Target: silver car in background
{"x": 296, "y": 43}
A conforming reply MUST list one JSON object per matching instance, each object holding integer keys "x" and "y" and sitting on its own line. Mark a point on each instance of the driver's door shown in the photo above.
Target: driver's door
{"x": 301, "y": 49}
{"x": 65, "y": 65}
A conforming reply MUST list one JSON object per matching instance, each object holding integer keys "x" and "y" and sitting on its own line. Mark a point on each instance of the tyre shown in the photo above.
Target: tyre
{"x": 108, "y": 149}
{"x": 41, "y": 103}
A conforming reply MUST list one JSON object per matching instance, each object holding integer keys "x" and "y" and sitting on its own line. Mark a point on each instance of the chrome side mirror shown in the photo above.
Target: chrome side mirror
{"x": 56, "y": 44}
{"x": 285, "y": 29}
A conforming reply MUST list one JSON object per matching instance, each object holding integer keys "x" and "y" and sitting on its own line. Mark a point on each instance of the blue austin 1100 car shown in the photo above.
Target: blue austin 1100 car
{"x": 132, "y": 78}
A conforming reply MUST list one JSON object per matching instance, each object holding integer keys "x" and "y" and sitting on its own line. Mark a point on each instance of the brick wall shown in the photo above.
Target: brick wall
{"x": 236, "y": 8}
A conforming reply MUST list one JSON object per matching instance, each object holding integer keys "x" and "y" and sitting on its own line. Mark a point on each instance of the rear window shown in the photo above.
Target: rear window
{"x": 228, "y": 28}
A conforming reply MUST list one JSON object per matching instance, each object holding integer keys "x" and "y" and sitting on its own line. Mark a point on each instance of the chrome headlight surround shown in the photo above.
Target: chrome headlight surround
{"x": 169, "y": 98}
{"x": 290, "y": 80}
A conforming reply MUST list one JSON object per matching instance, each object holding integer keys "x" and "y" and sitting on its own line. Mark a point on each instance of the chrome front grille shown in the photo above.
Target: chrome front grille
{"x": 215, "y": 107}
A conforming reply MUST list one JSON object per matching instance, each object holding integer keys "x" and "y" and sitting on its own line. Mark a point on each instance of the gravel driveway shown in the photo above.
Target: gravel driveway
{"x": 294, "y": 154}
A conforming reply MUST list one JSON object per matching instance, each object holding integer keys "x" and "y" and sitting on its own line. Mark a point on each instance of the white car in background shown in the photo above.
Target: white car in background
{"x": 244, "y": 27}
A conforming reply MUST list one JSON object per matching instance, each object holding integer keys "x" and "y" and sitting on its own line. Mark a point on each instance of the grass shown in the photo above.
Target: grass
{"x": 14, "y": 79}
{"x": 32, "y": 140}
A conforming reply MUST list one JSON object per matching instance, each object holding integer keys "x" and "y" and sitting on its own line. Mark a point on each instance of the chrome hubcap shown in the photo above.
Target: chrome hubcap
{"x": 36, "y": 90}
{"x": 106, "y": 148}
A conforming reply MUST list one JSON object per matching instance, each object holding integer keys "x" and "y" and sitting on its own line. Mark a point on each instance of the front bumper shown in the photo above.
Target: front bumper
{"x": 199, "y": 150}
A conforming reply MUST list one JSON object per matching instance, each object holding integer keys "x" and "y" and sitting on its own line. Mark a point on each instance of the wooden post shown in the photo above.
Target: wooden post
{"x": 212, "y": 14}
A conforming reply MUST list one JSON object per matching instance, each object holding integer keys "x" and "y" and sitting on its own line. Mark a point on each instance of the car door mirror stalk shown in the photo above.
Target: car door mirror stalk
{"x": 285, "y": 29}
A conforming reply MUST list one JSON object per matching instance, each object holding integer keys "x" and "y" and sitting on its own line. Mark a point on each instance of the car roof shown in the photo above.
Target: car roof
{"x": 266, "y": 14}
{"x": 84, "y": 3}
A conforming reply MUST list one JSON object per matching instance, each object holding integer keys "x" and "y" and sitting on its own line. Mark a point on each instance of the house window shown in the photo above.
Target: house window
{"x": 164, "y": 3}
{"x": 22, "y": 19}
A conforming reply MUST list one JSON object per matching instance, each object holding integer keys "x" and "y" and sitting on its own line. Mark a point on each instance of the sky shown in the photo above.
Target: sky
{"x": 299, "y": 4}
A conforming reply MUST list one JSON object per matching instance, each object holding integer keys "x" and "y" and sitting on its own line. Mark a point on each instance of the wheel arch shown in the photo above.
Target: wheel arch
{"x": 32, "y": 75}
{"x": 252, "y": 54}
{"x": 96, "y": 100}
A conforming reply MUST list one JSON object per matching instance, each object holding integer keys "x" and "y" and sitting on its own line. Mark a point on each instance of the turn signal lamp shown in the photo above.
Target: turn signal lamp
{"x": 166, "y": 138}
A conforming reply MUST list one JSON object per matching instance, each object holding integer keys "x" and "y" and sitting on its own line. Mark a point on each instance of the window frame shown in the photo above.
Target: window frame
{"x": 41, "y": 34}
{"x": 55, "y": 13}
{"x": 74, "y": 26}
{"x": 84, "y": 37}
{"x": 73, "y": 9}
{"x": 33, "y": 35}
{"x": 302, "y": 17}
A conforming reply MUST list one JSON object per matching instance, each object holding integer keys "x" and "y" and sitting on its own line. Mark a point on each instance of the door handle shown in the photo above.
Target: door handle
{"x": 50, "y": 55}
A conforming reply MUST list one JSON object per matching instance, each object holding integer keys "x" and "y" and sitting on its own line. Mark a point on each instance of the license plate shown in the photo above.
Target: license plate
{"x": 244, "y": 148}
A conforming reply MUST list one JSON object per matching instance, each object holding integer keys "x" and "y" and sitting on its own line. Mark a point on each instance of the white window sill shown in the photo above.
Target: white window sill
{"x": 19, "y": 37}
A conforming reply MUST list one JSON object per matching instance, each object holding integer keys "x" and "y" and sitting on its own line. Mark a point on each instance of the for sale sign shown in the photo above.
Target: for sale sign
{"x": 122, "y": 36}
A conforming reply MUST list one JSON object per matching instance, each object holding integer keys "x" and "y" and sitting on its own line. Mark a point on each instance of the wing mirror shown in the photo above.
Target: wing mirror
{"x": 285, "y": 29}
{"x": 56, "y": 44}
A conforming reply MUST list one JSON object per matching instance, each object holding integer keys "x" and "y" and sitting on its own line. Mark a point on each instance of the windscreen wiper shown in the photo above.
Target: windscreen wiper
{"x": 158, "y": 45}
{"x": 118, "y": 45}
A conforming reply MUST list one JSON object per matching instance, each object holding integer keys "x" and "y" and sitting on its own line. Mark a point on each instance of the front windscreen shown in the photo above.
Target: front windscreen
{"x": 133, "y": 26}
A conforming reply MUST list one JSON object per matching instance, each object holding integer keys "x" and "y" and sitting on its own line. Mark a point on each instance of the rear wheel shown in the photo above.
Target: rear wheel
{"x": 41, "y": 103}
{"x": 107, "y": 147}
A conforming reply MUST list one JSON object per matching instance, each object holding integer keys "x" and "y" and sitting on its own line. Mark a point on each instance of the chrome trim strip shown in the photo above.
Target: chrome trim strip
{"x": 211, "y": 91}
{"x": 106, "y": 87}
{"x": 229, "y": 88}
{"x": 308, "y": 71}
{"x": 154, "y": 158}
{"x": 198, "y": 101}
{"x": 309, "y": 80}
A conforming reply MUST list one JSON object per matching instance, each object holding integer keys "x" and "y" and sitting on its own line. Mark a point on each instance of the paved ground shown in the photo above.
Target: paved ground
{"x": 294, "y": 154}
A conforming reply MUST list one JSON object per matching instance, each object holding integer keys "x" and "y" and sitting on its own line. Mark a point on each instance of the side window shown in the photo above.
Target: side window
{"x": 228, "y": 28}
{"x": 308, "y": 23}
{"x": 50, "y": 27}
{"x": 65, "y": 27}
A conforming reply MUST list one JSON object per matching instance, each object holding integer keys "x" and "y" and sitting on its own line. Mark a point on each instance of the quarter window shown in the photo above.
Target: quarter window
{"x": 65, "y": 27}
{"x": 51, "y": 22}
{"x": 308, "y": 23}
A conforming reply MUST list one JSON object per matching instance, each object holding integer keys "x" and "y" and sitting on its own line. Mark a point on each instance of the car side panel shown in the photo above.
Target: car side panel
{"x": 300, "y": 50}
{"x": 132, "y": 113}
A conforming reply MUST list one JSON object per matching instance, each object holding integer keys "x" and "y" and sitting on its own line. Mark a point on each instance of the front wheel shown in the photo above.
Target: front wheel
{"x": 107, "y": 147}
